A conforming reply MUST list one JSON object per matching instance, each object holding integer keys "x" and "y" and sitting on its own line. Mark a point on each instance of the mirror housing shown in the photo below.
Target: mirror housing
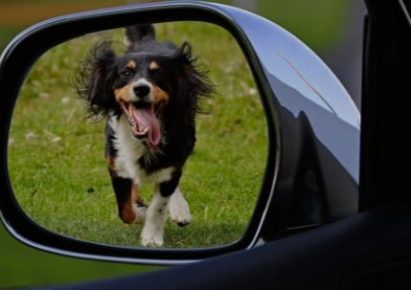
{"x": 312, "y": 171}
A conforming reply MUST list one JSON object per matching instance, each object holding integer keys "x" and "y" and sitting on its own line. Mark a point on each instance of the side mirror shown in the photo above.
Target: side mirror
{"x": 305, "y": 141}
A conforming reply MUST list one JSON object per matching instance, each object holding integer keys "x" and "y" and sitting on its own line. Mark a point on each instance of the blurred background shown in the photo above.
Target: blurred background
{"x": 333, "y": 29}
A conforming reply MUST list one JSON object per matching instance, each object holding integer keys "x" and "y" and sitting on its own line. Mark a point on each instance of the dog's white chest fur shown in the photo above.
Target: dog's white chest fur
{"x": 130, "y": 150}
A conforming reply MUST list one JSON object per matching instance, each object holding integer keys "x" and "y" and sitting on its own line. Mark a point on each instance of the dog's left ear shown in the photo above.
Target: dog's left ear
{"x": 95, "y": 79}
{"x": 194, "y": 80}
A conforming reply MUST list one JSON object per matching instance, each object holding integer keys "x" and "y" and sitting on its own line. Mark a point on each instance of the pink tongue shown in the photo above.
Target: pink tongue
{"x": 146, "y": 119}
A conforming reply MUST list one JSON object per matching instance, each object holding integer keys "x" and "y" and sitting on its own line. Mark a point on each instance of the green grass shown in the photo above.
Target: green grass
{"x": 318, "y": 23}
{"x": 56, "y": 155}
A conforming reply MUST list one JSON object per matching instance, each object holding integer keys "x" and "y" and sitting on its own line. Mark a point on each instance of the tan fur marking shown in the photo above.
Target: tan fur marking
{"x": 160, "y": 96}
{"x": 110, "y": 162}
{"x": 153, "y": 66}
{"x": 131, "y": 64}
{"x": 127, "y": 214}
{"x": 123, "y": 94}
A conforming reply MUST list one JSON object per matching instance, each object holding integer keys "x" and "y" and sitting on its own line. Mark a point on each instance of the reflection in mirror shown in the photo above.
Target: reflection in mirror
{"x": 58, "y": 139}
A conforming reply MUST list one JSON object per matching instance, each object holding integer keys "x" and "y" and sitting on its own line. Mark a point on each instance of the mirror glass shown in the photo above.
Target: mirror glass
{"x": 138, "y": 180}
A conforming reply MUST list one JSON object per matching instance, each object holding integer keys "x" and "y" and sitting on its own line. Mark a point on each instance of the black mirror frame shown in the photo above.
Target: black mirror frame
{"x": 33, "y": 42}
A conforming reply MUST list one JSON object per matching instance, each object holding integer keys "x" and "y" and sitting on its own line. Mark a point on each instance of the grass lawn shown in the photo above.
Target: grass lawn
{"x": 56, "y": 154}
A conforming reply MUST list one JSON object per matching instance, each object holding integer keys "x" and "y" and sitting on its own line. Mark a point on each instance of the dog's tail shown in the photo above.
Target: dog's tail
{"x": 139, "y": 33}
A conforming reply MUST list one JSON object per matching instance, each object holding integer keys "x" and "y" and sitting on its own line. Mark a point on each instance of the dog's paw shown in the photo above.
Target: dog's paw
{"x": 132, "y": 214}
{"x": 151, "y": 237}
{"x": 139, "y": 212}
{"x": 179, "y": 210}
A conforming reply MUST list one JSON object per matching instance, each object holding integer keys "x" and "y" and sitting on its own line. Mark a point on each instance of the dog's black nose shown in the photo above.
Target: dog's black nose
{"x": 141, "y": 90}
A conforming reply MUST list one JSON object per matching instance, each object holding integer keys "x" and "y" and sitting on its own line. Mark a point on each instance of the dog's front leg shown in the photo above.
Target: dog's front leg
{"x": 131, "y": 207}
{"x": 179, "y": 209}
{"x": 153, "y": 230}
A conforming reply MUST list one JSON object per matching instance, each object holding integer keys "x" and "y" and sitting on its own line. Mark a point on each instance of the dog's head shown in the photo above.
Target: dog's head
{"x": 151, "y": 79}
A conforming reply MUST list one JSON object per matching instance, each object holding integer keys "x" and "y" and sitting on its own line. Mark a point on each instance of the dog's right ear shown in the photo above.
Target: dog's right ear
{"x": 139, "y": 33}
{"x": 95, "y": 79}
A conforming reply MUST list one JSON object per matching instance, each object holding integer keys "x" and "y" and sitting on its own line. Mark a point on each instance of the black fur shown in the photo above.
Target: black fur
{"x": 179, "y": 77}
{"x": 139, "y": 33}
{"x": 94, "y": 78}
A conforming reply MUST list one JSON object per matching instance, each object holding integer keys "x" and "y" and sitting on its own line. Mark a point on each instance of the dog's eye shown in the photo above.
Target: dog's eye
{"x": 127, "y": 73}
{"x": 155, "y": 72}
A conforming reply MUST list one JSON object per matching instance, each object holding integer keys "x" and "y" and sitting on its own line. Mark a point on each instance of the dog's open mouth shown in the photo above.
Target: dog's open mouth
{"x": 143, "y": 121}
